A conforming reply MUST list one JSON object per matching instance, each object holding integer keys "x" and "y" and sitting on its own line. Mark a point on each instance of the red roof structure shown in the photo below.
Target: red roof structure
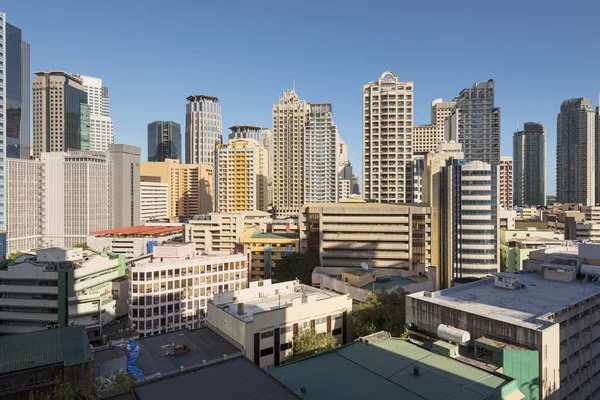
{"x": 140, "y": 231}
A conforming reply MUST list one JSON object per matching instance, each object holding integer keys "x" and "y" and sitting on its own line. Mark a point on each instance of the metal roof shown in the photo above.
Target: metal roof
{"x": 141, "y": 230}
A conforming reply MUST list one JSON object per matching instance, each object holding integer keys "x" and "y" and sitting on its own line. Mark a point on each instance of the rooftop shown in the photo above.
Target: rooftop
{"x": 370, "y": 206}
{"x": 392, "y": 282}
{"x": 385, "y": 370}
{"x": 275, "y": 236}
{"x": 518, "y": 307}
{"x": 142, "y": 230}
{"x": 68, "y": 345}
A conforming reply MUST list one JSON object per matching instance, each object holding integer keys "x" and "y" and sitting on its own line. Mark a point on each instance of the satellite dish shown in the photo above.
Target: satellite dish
{"x": 364, "y": 266}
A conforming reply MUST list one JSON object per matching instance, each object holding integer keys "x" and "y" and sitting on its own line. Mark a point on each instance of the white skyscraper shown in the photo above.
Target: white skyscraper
{"x": 203, "y": 129}
{"x": 101, "y": 125}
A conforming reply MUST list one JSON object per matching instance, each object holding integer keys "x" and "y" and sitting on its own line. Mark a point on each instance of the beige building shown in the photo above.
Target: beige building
{"x": 241, "y": 176}
{"x": 191, "y": 186}
{"x": 154, "y": 200}
{"x": 506, "y": 183}
{"x": 263, "y": 319}
{"x": 134, "y": 241}
{"x": 387, "y": 145}
{"x": 125, "y": 182}
{"x": 426, "y": 138}
{"x": 381, "y": 235}
{"x": 171, "y": 288}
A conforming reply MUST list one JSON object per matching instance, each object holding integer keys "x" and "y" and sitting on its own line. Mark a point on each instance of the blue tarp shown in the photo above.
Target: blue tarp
{"x": 134, "y": 353}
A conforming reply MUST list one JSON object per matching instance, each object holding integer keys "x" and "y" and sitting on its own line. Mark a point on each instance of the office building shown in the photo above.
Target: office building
{"x": 575, "y": 152}
{"x": 516, "y": 244}
{"x": 267, "y": 142}
{"x": 18, "y": 92}
{"x": 203, "y": 129}
{"x": 170, "y": 288}
{"x": 3, "y": 138}
{"x": 263, "y": 319}
{"x": 529, "y": 165}
{"x": 191, "y": 186}
{"x": 246, "y": 132}
{"x": 475, "y": 123}
{"x": 241, "y": 176}
{"x": 289, "y": 122}
{"x": 58, "y": 98}
{"x": 506, "y": 182}
{"x": 101, "y": 126}
{"x": 355, "y": 185}
{"x": 154, "y": 199}
{"x": 164, "y": 141}
{"x": 60, "y": 287}
{"x": 385, "y": 236}
{"x": 551, "y": 329}
{"x": 125, "y": 182}
{"x": 134, "y": 241}
{"x": 266, "y": 249}
{"x": 426, "y": 138}
{"x": 387, "y": 140}
{"x": 321, "y": 155}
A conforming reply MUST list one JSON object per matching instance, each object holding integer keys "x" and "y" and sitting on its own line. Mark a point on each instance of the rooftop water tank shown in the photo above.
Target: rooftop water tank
{"x": 587, "y": 269}
{"x": 453, "y": 334}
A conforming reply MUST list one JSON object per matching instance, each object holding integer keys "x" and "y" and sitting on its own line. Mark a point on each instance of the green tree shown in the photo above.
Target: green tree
{"x": 120, "y": 382}
{"x": 380, "y": 312}
{"x": 63, "y": 389}
{"x": 84, "y": 246}
{"x": 308, "y": 342}
{"x": 296, "y": 266}
{"x": 13, "y": 255}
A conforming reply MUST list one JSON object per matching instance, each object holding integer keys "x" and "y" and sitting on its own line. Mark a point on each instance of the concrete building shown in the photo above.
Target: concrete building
{"x": 125, "y": 182}
{"x": 164, "y": 141}
{"x": 101, "y": 126}
{"x": 266, "y": 249}
{"x": 576, "y": 152}
{"x": 246, "y": 132}
{"x": 203, "y": 129}
{"x": 263, "y": 319}
{"x": 170, "y": 288}
{"x": 3, "y": 138}
{"x": 507, "y": 219}
{"x": 385, "y": 236}
{"x": 516, "y": 244}
{"x": 289, "y": 122}
{"x": 548, "y": 316}
{"x": 18, "y": 91}
{"x": 58, "y": 98}
{"x": 529, "y": 165}
{"x": 60, "y": 287}
{"x": 267, "y": 142}
{"x": 241, "y": 176}
{"x": 191, "y": 186}
{"x": 426, "y": 138}
{"x": 506, "y": 183}
{"x": 387, "y": 145}
{"x": 475, "y": 123}
{"x": 154, "y": 200}
{"x": 133, "y": 241}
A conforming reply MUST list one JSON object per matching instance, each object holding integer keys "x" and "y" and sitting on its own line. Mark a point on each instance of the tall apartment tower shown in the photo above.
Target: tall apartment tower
{"x": 101, "y": 125}
{"x": 203, "y": 129}
{"x": 506, "y": 183}
{"x": 2, "y": 139}
{"x": 125, "y": 177}
{"x": 387, "y": 139}
{"x": 289, "y": 121}
{"x": 321, "y": 155}
{"x": 58, "y": 98}
{"x": 475, "y": 122}
{"x": 575, "y": 152}
{"x": 597, "y": 150}
{"x": 267, "y": 142}
{"x": 529, "y": 165}
{"x": 18, "y": 94}
{"x": 426, "y": 138}
{"x": 164, "y": 141}
{"x": 245, "y": 132}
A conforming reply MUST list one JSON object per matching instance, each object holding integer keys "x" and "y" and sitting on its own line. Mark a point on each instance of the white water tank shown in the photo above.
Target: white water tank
{"x": 453, "y": 334}
{"x": 587, "y": 269}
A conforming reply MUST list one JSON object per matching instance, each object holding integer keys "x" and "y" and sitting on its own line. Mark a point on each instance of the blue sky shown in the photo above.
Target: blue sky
{"x": 153, "y": 54}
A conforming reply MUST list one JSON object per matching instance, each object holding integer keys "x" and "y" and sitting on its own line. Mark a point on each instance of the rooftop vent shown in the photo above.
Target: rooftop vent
{"x": 240, "y": 310}
{"x": 509, "y": 281}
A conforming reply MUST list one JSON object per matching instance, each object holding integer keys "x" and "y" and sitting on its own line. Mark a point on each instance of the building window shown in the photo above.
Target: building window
{"x": 266, "y": 335}
{"x": 286, "y": 329}
{"x": 266, "y": 352}
{"x": 286, "y": 346}
{"x": 337, "y": 331}
{"x": 321, "y": 320}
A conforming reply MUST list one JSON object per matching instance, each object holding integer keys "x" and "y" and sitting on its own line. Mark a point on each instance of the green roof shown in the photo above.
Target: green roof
{"x": 385, "y": 370}
{"x": 67, "y": 345}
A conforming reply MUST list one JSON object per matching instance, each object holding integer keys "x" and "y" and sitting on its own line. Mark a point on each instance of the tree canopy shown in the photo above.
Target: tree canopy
{"x": 380, "y": 312}
{"x": 308, "y": 342}
{"x": 296, "y": 266}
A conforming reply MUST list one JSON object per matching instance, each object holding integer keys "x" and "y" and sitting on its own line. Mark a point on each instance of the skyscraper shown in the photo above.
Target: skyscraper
{"x": 164, "y": 141}
{"x": 203, "y": 129}
{"x": 289, "y": 121}
{"x": 101, "y": 125}
{"x": 426, "y": 138}
{"x": 387, "y": 139}
{"x": 245, "y": 132}
{"x": 575, "y": 152}
{"x": 506, "y": 183}
{"x": 267, "y": 142}
{"x": 475, "y": 122}
{"x": 18, "y": 94}
{"x": 125, "y": 177}
{"x": 2, "y": 139}
{"x": 57, "y": 105}
{"x": 529, "y": 165}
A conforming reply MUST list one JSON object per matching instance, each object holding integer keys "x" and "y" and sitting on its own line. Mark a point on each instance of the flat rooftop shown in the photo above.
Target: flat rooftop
{"x": 519, "y": 306}
{"x": 385, "y": 370}
{"x": 142, "y": 230}
{"x": 394, "y": 281}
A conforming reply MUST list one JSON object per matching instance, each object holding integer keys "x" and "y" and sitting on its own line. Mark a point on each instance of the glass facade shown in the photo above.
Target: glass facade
{"x": 164, "y": 140}
{"x": 85, "y": 126}
{"x": 73, "y": 98}
{"x": 203, "y": 129}
{"x": 17, "y": 94}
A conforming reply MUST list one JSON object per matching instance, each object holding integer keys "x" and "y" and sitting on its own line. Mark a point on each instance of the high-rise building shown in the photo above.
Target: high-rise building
{"x": 164, "y": 141}
{"x": 125, "y": 182}
{"x": 321, "y": 155}
{"x": 241, "y": 176}
{"x": 597, "y": 155}
{"x": 267, "y": 142}
{"x": 387, "y": 139}
{"x": 246, "y": 132}
{"x": 529, "y": 165}
{"x": 475, "y": 122}
{"x": 154, "y": 199}
{"x": 344, "y": 170}
{"x": 575, "y": 152}
{"x": 289, "y": 122}
{"x": 506, "y": 182}
{"x": 355, "y": 188}
{"x": 57, "y": 102}
{"x": 18, "y": 93}
{"x": 427, "y": 137}
{"x": 101, "y": 125}
{"x": 2, "y": 139}
{"x": 203, "y": 129}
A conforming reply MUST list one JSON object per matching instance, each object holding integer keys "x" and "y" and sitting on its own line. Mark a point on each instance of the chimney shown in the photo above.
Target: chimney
{"x": 416, "y": 371}
{"x": 240, "y": 310}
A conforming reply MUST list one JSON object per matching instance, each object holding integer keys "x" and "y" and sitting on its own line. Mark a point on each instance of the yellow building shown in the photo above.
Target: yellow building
{"x": 190, "y": 186}
{"x": 267, "y": 249}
